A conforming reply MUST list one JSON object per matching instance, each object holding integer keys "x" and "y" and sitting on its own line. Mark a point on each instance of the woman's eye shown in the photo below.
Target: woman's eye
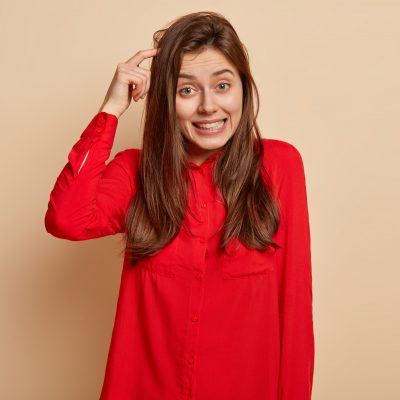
{"x": 185, "y": 90}
{"x": 222, "y": 84}
{"x": 188, "y": 90}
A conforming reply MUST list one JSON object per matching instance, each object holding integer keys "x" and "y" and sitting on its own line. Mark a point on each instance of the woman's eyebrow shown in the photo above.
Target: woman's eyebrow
{"x": 216, "y": 73}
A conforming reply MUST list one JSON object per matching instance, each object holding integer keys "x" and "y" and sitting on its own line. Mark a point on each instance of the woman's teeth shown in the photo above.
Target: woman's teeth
{"x": 214, "y": 125}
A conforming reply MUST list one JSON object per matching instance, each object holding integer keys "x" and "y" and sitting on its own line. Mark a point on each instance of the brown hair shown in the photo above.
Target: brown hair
{"x": 156, "y": 212}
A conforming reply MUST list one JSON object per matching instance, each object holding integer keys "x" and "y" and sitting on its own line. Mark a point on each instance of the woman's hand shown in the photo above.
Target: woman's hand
{"x": 129, "y": 81}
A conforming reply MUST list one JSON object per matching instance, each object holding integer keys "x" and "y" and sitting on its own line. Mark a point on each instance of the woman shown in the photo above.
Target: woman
{"x": 216, "y": 289}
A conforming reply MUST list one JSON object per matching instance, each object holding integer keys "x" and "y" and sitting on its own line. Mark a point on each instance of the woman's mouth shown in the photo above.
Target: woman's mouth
{"x": 210, "y": 128}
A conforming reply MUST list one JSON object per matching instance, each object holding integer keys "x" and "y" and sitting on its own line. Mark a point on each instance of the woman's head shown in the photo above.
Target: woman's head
{"x": 208, "y": 102}
{"x": 200, "y": 44}
{"x": 200, "y": 73}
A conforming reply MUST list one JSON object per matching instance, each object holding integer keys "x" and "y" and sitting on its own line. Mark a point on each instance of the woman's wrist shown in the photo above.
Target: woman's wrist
{"x": 109, "y": 109}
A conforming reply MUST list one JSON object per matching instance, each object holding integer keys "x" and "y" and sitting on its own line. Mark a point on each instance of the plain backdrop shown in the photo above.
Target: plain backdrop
{"x": 328, "y": 76}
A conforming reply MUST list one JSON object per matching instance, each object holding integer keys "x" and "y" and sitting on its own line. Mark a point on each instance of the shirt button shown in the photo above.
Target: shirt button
{"x": 199, "y": 275}
{"x": 99, "y": 130}
{"x": 195, "y": 318}
{"x": 203, "y": 205}
{"x": 191, "y": 360}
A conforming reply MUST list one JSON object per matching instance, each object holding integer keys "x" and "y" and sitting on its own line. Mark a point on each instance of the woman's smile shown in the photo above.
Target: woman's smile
{"x": 210, "y": 128}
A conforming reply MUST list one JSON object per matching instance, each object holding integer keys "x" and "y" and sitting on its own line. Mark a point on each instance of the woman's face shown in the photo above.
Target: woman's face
{"x": 209, "y": 92}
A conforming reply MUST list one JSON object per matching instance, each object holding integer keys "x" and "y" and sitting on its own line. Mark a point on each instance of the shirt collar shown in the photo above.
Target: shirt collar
{"x": 209, "y": 161}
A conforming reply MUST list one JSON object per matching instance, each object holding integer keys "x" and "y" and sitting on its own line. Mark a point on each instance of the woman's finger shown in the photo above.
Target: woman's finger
{"x": 141, "y": 55}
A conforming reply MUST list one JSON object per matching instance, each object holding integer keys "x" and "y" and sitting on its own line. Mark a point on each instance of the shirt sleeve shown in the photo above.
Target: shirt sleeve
{"x": 90, "y": 198}
{"x": 295, "y": 281}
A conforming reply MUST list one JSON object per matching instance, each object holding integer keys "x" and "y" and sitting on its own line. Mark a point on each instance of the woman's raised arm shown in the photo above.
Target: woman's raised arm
{"x": 90, "y": 198}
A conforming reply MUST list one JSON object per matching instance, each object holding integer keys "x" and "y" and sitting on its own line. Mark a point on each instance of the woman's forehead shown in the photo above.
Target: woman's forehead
{"x": 209, "y": 59}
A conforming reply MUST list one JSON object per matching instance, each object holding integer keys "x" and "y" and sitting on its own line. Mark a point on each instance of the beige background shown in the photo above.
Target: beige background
{"x": 328, "y": 75}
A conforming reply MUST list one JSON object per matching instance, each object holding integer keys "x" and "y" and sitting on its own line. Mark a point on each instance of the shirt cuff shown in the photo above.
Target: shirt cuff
{"x": 102, "y": 127}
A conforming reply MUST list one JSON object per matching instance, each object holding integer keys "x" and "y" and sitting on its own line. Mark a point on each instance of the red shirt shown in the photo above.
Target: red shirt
{"x": 192, "y": 322}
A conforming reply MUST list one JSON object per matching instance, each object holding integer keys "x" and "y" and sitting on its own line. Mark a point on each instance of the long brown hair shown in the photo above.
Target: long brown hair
{"x": 156, "y": 212}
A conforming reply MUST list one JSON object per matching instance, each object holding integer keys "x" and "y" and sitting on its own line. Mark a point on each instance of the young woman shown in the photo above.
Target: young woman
{"x": 216, "y": 288}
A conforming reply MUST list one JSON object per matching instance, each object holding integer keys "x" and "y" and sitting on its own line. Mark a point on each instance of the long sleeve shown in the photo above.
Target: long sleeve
{"x": 90, "y": 197}
{"x": 295, "y": 281}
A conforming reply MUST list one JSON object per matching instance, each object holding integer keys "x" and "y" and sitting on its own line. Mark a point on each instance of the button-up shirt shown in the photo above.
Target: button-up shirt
{"x": 194, "y": 322}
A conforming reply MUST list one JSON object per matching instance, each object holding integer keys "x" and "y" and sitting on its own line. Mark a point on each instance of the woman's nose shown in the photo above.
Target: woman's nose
{"x": 207, "y": 103}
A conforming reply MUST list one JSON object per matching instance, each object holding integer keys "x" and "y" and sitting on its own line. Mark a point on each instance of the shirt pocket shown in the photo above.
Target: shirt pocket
{"x": 163, "y": 263}
{"x": 242, "y": 262}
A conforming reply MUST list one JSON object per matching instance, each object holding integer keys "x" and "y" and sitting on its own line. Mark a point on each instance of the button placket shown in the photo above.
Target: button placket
{"x": 191, "y": 345}
{"x": 201, "y": 204}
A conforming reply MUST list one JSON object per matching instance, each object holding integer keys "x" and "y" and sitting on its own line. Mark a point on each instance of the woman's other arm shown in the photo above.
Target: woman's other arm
{"x": 295, "y": 279}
